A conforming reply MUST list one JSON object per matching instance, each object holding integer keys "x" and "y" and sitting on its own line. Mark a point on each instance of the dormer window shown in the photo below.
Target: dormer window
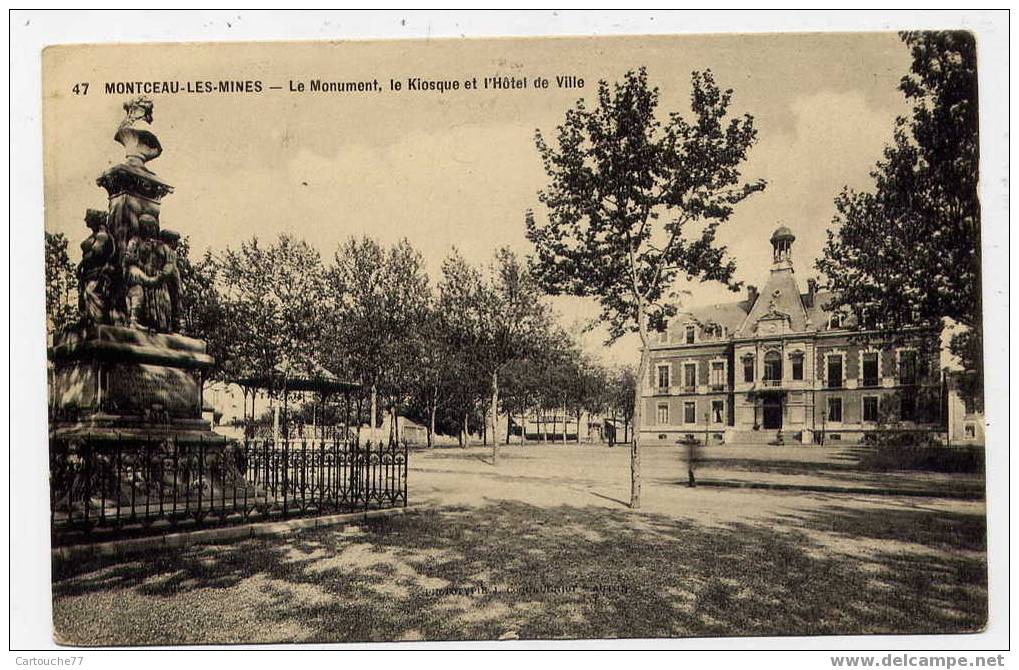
{"x": 663, "y": 334}
{"x": 834, "y": 322}
{"x": 691, "y": 334}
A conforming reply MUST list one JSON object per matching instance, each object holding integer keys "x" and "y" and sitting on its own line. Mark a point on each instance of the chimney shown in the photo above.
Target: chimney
{"x": 751, "y": 295}
{"x": 811, "y": 291}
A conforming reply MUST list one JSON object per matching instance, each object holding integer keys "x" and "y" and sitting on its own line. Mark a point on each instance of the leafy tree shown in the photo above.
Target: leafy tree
{"x": 593, "y": 384}
{"x": 202, "y": 312}
{"x": 907, "y": 252}
{"x": 434, "y": 377}
{"x": 492, "y": 319}
{"x": 272, "y": 297}
{"x": 622, "y": 392}
{"x": 61, "y": 285}
{"x": 379, "y": 302}
{"x": 634, "y": 204}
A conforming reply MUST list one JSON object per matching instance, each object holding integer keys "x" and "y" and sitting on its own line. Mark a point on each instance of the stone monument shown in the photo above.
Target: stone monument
{"x": 123, "y": 371}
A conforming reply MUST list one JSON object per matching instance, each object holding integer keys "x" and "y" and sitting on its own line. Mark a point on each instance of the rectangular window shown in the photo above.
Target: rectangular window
{"x": 907, "y": 367}
{"x": 663, "y": 415}
{"x": 797, "y": 366}
{"x": 717, "y": 374}
{"x": 870, "y": 409}
{"x": 970, "y": 404}
{"x": 691, "y": 334}
{"x": 835, "y": 410}
{"x": 748, "y": 369}
{"x": 870, "y": 365}
{"x": 690, "y": 375}
{"x": 834, "y": 372}
{"x": 717, "y": 411}
{"x": 907, "y": 406}
{"x": 689, "y": 412}
{"x": 663, "y": 377}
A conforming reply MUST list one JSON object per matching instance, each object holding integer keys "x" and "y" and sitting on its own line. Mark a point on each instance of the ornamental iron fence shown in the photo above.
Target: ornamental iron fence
{"x": 113, "y": 488}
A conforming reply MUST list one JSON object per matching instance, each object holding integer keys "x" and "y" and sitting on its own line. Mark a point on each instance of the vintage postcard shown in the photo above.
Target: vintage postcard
{"x": 515, "y": 339}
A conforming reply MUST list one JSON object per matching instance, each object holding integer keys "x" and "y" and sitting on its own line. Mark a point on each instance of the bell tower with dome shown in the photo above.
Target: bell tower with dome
{"x": 782, "y": 247}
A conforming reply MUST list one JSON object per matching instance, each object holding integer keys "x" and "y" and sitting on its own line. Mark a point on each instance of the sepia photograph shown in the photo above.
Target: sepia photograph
{"x": 604, "y": 337}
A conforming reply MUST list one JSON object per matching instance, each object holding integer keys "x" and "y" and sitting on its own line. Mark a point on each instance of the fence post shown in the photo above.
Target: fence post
{"x": 201, "y": 476}
{"x": 87, "y": 493}
{"x": 367, "y": 474}
{"x": 286, "y": 473}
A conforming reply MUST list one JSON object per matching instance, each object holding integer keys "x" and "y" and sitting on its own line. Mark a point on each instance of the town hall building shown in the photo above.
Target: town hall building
{"x": 780, "y": 366}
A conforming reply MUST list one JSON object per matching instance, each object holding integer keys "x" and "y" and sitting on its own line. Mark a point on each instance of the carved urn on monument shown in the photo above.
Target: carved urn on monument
{"x": 123, "y": 371}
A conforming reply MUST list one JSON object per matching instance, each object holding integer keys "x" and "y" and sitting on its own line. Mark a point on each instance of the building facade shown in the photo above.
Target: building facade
{"x": 779, "y": 366}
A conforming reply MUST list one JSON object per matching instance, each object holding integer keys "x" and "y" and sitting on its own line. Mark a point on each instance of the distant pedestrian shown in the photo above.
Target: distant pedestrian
{"x": 693, "y": 456}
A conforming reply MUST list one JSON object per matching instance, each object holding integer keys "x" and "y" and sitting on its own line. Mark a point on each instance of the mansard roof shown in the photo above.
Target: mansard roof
{"x": 729, "y": 315}
{"x": 801, "y": 310}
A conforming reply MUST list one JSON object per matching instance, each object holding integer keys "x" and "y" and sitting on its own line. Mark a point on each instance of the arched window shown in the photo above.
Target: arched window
{"x": 834, "y": 322}
{"x": 773, "y": 366}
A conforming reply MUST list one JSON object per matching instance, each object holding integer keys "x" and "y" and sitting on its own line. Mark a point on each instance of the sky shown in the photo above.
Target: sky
{"x": 458, "y": 168}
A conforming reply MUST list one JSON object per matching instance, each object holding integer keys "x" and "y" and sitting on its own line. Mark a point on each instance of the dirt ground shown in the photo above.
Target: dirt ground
{"x": 543, "y": 545}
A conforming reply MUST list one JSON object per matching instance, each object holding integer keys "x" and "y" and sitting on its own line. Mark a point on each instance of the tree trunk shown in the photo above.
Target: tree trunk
{"x": 466, "y": 435}
{"x": 509, "y": 422}
{"x": 565, "y": 422}
{"x": 357, "y": 421}
{"x": 495, "y": 417}
{"x": 275, "y": 422}
{"x": 638, "y": 408}
{"x": 372, "y": 413}
{"x": 431, "y": 417}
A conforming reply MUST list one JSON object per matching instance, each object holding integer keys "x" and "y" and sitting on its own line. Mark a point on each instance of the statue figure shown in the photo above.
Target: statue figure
{"x": 142, "y": 279}
{"x": 142, "y": 145}
{"x": 170, "y": 274}
{"x": 96, "y": 270}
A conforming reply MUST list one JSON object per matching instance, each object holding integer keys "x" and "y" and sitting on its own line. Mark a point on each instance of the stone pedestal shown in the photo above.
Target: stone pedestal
{"x": 123, "y": 383}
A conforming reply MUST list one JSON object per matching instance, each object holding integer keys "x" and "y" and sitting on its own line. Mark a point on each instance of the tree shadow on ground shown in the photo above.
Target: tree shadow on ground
{"x": 938, "y": 529}
{"x": 784, "y": 467}
{"x": 473, "y": 454}
{"x": 825, "y": 474}
{"x": 511, "y": 569}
